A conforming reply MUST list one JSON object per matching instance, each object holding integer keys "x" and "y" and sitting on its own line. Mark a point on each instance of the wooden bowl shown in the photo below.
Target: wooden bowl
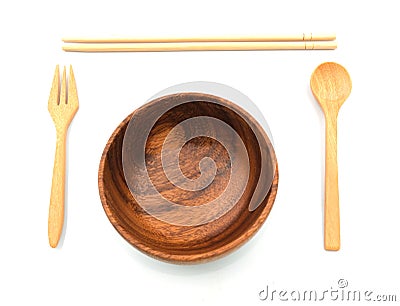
{"x": 199, "y": 239}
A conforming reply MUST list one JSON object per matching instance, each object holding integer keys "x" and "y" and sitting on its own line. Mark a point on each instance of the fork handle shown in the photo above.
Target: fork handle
{"x": 57, "y": 197}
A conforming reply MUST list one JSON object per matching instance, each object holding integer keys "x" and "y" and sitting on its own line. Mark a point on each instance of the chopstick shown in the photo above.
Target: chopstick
{"x": 200, "y": 46}
{"x": 301, "y": 41}
{"x": 266, "y": 38}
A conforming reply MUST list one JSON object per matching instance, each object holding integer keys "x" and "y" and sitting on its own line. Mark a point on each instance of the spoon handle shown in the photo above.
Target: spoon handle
{"x": 332, "y": 219}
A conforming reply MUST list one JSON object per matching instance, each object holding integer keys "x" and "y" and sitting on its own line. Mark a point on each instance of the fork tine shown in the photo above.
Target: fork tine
{"x": 63, "y": 94}
{"x": 72, "y": 92}
{"x": 55, "y": 89}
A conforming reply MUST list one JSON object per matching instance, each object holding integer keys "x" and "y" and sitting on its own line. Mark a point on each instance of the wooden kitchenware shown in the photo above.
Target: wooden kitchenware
{"x": 173, "y": 241}
{"x": 331, "y": 85}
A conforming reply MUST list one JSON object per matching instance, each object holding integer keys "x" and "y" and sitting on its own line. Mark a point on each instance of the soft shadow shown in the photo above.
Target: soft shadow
{"x": 66, "y": 202}
{"x": 321, "y": 119}
{"x": 65, "y": 224}
{"x": 192, "y": 269}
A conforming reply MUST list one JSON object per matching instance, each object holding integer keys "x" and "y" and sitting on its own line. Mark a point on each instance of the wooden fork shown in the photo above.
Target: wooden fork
{"x": 62, "y": 107}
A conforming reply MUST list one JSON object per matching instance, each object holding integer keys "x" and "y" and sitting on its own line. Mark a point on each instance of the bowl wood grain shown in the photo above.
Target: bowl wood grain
{"x": 178, "y": 243}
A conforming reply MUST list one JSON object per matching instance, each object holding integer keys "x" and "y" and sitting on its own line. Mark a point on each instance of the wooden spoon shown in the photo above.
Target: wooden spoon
{"x": 331, "y": 85}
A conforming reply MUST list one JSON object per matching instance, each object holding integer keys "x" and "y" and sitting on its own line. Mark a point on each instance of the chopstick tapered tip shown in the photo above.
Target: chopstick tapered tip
{"x": 68, "y": 48}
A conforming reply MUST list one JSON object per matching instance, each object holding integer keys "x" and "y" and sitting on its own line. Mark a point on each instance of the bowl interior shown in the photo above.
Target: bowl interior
{"x": 196, "y": 240}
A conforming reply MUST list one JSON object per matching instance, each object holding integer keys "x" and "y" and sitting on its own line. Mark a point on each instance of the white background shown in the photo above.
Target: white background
{"x": 94, "y": 265}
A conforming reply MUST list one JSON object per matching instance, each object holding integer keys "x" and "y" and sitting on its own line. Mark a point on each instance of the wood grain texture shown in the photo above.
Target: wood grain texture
{"x": 200, "y": 46}
{"x": 62, "y": 107}
{"x": 226, "y": 38}
{"x": 331, "y": 85}
{"x": 187, "y": 244}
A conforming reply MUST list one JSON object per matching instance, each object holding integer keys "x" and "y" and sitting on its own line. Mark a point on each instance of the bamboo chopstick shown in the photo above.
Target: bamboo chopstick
{"x": 265, "y": 38}
{"x": 199, "y": 46}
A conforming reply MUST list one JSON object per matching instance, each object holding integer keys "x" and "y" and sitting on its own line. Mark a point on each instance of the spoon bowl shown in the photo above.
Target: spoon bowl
{"x": 331, "y": 85}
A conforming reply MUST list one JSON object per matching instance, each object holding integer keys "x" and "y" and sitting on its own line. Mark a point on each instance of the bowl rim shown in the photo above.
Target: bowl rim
{"x": 202, "y": 256}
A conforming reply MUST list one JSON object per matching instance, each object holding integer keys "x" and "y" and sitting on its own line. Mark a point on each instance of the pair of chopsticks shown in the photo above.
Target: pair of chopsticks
{"x": 235, "y": 43}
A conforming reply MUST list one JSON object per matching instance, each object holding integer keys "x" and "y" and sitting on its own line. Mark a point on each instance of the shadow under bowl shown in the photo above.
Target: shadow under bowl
{"x": 223, "y": 227}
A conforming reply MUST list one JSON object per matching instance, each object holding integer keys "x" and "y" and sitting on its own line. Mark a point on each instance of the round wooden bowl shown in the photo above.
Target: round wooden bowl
{"x": 188, "y": 234}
